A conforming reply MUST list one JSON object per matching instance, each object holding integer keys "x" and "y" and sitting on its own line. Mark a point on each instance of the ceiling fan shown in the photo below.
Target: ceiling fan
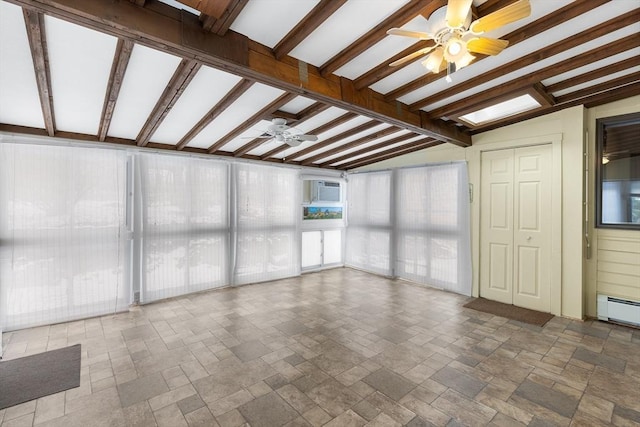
{"x": 456, "y": 37}
{"x": 281, "y": 132}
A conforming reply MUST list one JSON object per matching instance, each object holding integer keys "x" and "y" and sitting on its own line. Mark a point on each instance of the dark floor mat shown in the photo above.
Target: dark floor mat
{"x": 39, "y": 375}
{"x": 510, "y": 311}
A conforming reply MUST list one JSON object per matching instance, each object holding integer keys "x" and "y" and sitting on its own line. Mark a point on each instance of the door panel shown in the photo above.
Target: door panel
{"x": 515, "y": 220}
{"x": 532, "y": 236}
{"x": 496, "y": 253}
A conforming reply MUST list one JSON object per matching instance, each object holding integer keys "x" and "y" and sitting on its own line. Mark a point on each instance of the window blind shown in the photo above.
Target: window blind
{"x": 185, "y": 225}
{"x": 268, "y": 210}
{"x": 63, "y": 245}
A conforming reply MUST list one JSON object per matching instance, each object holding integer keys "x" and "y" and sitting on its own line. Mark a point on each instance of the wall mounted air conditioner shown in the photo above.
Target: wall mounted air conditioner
{"x": 325, "y": 191}
{"x": 618, "y": 310}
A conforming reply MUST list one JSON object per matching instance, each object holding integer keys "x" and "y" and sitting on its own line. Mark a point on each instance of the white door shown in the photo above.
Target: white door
{"x": 515, "y": 229}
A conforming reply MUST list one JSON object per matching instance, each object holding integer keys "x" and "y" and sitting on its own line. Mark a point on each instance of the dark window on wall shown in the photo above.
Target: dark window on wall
{"x": 618, "y": 171}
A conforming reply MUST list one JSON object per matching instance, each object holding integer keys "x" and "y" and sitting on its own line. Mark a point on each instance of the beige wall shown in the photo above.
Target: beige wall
{"x": 578, "y": 287}
{"x": 613, "y": 267}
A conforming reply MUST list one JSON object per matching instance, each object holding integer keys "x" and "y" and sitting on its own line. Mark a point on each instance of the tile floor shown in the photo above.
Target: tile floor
{"x": 335, "y": 348}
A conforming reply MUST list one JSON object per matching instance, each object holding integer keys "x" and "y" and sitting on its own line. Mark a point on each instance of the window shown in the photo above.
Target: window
{"x": 618, "y": 171}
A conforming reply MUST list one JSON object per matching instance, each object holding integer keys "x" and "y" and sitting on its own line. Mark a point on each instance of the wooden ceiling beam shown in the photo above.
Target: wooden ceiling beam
{"x": 185, "y": 72}
{"x": 118, "y": 69}
{"x": 601, "y": 87}
{"x": 323, "y": 10}
{"x": 236, "y": 92}
{"x": 363, "y": 140}
{"x": 393, "y": 152}
{"x": 346, "y": 134}
{"x": 572, "y": 10}
{"x": 379, "y": 32}
{"x": 594, "y": 74}
{"x": 291, "y": 117}
{"x": 472, "y": 102}
{"x": 273, "y": 106}
{"x": 383, "y": 69}
{"x": 182, "y": 35}
{"x": 325, "y": 127}
{"x": 377, "y": 146}
{"x": 221, "y": 24}
{"x": 34, "y": 23}
{"x": 138, "y": 2}
{"x": 607, "y": 27}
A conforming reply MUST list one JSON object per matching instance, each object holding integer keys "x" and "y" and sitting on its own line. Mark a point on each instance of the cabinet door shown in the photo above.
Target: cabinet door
{"x": 311, "y": 249}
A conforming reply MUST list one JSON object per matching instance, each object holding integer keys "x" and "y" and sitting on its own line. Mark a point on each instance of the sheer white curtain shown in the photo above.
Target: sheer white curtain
{"x": 268, "y": 209}
{"x": 369, "y": 232}
{"x": 412, "y": 223}
{"x": 63, "y": 245}
{"x": 432, "y": 226}
{"x": 185, "y": 225}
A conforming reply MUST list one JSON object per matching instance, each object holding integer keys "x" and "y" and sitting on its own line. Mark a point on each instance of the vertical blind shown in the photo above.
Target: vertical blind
{"x": 412, "y": 223}
{"x": 369, "y": 235}
{"x": 268, "y": 208}
{"x": 432, "y": 226}
{"x": 63, "y": 248}
{"x": 185, "y": 225}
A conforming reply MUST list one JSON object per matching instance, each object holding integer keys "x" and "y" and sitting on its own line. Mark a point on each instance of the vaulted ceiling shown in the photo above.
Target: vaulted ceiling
{"x": 162, "y": 74}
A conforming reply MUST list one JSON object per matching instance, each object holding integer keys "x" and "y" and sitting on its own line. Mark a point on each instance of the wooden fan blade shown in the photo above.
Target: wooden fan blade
{"x": 406, "y": 33}
{"x": 304, "y": 137}
{"x": 506, "y": 15}
{"x": 486, "y": 46}
{"x": 411, "y": 56}
{"x": 457, "y": 12}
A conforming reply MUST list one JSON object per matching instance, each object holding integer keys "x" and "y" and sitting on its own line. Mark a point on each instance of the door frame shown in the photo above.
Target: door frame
{"x": 474, "y": 157}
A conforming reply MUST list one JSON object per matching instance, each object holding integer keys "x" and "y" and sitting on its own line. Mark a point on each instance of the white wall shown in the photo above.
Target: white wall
{"x": 571, "y": 124}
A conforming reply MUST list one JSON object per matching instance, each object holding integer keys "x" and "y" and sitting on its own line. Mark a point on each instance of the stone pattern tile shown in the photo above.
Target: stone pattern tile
{"x": 335, "y": 348}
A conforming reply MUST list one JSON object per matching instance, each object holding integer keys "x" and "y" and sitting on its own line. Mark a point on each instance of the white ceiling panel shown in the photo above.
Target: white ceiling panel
{"x": 341, "y": 29}
{"x": 257, "y": 97}
{"x": 597, "y": 81}
{"x": 371, "y": 57}
{"x": 268, "y": 21}
{"x": 369, "y": 144}
{"x": 358, "y": 135}
{"x": 603, "y": 63}
{"x": 147, "y": 76}
{"x": 19, "y": 101}
{"x": 389, "y": 147}
{"x": 206, "y": 89}
{"x": 297, "y": 104}
{"x": 80, "y": 62}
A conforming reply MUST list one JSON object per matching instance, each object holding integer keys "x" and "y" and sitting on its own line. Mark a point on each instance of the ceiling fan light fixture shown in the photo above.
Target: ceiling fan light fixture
{"x": 464, "y": 61}
{"x": 455, "y": 49}
{"x": 434, "y": 61}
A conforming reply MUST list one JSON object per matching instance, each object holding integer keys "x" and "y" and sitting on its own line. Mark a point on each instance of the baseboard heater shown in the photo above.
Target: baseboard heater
{"x": 618, "y": 310}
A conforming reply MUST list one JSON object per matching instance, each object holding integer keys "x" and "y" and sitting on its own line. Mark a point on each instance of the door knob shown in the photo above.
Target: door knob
{"x": 528, "y": 238}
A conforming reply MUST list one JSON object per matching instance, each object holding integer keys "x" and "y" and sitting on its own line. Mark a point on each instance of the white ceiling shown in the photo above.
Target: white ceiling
{"x": 81, "y": 59}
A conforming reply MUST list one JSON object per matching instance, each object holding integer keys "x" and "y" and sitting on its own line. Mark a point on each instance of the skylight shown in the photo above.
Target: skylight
{"x": 502, "y": 110}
